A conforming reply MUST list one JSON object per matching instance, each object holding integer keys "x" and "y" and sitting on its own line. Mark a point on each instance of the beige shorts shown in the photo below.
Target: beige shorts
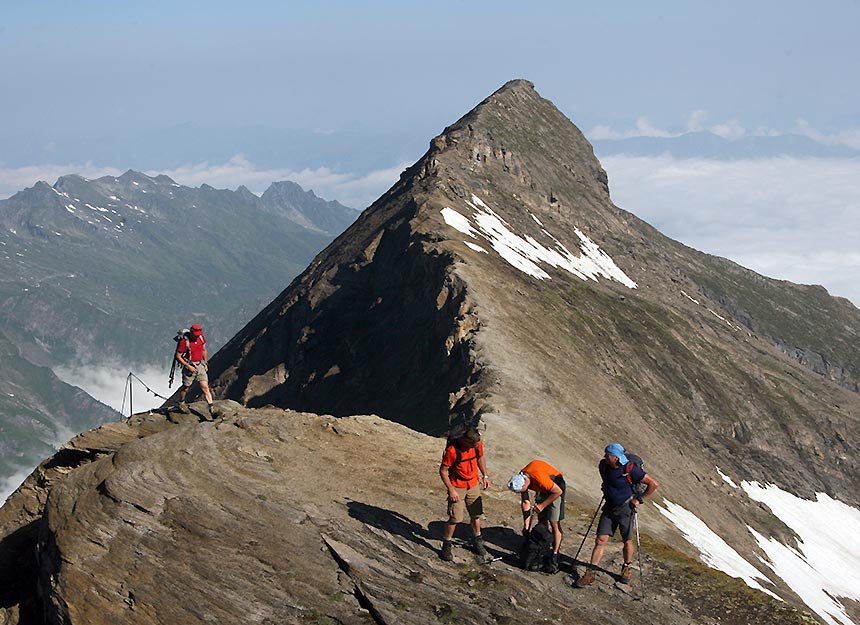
{"x": 470, "y": 500}
{"x": 200, "y": 375}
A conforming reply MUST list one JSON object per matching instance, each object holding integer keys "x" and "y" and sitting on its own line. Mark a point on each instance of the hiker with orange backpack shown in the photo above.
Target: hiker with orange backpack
{"x": 191, "y": 353}
{"x": 620, "y": 478}
{"x": 462, "y": 462}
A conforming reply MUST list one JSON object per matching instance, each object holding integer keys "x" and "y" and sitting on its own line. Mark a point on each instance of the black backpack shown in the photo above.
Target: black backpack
{"x": 180, "y": 334}
{"x": 536, "y": 548}
{"x": 632, "y": 460}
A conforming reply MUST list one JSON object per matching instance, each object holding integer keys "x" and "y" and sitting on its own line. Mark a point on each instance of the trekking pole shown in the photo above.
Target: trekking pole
{"x": 639, "y": 552}
{"x": 576, "y": 557}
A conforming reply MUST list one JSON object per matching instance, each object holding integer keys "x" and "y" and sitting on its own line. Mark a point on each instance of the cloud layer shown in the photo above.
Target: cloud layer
{"x": 788, "y": 218}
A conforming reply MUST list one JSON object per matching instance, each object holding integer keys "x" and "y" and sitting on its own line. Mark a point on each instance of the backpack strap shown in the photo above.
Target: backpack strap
{"x": 459, "y": 458}
{"x": 627, "y": 469}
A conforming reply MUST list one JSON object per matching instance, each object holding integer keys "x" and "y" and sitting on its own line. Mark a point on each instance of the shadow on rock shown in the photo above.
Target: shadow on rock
{"x": 391, "y": 521}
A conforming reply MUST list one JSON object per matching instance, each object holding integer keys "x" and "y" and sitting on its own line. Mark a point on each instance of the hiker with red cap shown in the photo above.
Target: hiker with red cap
{"x": 619, "y": 475}
{"x": 191, "y": 353}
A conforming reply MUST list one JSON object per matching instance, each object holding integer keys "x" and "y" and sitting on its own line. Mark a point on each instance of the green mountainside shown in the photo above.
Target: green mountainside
{"x": 102, "y": 273}
{"x": 38, "y": 411}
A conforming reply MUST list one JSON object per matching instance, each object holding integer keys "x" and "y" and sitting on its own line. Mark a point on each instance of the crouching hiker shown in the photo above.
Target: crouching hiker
{"x": 549, "y": 487}
{"x": 462, "y": 462}
{"x": 620, "y": 478}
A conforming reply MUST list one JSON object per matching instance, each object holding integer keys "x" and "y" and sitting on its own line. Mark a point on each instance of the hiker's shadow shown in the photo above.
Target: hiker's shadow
{"x": 390, "y": 521}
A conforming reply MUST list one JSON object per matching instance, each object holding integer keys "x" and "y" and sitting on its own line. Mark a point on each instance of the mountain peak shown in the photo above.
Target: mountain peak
{"x": 517, "y": 129}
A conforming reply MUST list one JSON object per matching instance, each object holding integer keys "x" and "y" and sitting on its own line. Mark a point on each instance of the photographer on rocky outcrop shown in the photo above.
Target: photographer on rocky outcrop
{"x": 191, "y": 353}
{"x": 462, "y": 469}
{"x": 620, "y": 477}
{"x": 548, "y": 484}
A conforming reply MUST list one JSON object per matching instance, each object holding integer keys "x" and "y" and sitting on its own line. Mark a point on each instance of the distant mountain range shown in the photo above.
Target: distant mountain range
{"x": 103, "y": 272}
{"x": 709, "y": 145}
{"x": 104, "y": 267}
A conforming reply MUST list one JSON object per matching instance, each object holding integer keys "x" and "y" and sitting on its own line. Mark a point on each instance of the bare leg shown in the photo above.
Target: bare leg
{"x": 597, "y": 552}
{"x": 557, "y": 535}
{"x": 476, "y": 526}
{"x": 204, "y": 386}
{"x": 627, "y": 550}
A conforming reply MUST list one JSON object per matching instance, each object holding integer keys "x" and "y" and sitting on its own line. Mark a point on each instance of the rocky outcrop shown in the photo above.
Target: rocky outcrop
{"x": 266, "y": 516}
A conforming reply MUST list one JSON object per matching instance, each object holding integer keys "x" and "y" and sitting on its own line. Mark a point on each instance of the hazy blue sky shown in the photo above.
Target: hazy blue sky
{"x": 380, "y": 64}
{"x": 341, "y": 95}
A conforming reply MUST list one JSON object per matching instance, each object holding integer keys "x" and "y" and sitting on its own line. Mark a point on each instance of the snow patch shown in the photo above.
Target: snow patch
{"x": 715, "y": 551}
{"x": 824, "y": 563}
{"x": 525, "y": 253}
{"x": 821, "y": 566}
{"x": 726, "y": 478}
{"x": 477, "y": 248}
{"x": 458, "y": 222}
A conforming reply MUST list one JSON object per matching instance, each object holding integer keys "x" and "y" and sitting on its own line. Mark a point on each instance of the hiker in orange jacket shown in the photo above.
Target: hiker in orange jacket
{"x": 462, "y": 461}
{"x": 548, "y": 484}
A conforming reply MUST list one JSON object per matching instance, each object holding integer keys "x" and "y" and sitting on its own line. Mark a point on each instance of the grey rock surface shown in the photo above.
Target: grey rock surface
{"x": 271, "y": 516}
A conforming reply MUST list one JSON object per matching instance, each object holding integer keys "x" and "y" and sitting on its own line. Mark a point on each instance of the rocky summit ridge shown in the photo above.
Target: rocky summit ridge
{"x": 495, "y": 284}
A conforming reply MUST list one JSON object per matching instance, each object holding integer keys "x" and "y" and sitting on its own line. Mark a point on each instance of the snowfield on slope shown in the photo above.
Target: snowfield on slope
{"x": 822, "y": 566}
{"x": 527, "y": 254}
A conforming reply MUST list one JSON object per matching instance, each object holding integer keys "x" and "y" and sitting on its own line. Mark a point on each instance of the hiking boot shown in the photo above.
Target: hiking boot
{"x": 446, "y": 554}
{"x": 626, "y": 573}
{"x": 586, "y": 579}
{"x": 183, "y": 408}
{"x": 478, "y": 544}
{"x": 551, "y": 565}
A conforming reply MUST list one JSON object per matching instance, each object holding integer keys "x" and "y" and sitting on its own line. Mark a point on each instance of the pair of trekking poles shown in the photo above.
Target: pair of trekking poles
{"x": 638, "y": 545}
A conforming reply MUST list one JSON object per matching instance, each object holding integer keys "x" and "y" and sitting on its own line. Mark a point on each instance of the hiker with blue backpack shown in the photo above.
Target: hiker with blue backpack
{"x": 625, "y": 486}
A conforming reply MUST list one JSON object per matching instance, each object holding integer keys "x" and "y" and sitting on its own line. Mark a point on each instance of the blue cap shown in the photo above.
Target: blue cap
{"x": 616, "y": 450}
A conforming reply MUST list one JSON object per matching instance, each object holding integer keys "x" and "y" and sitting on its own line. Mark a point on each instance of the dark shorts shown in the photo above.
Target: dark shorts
{"x": 555, "y": 511}
{"x": 614, "y": 518}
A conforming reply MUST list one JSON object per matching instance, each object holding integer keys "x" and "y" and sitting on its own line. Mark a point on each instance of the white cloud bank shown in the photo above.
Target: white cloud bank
{"x": 107, "y": 382}
{"x": 788, "y": 218}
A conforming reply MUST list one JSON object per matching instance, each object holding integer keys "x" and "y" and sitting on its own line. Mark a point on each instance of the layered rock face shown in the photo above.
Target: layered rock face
{"x": 269, "y": 516}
